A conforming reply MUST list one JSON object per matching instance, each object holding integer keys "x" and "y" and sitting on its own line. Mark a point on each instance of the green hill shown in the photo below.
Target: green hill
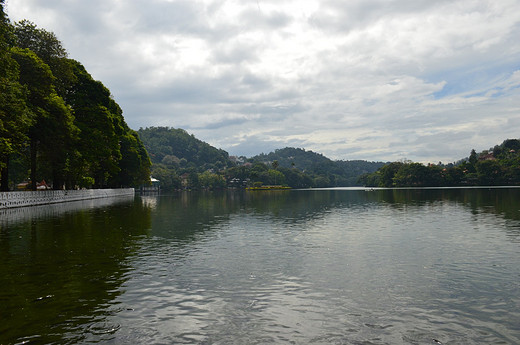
{"x": 330, "y": 173}
{"x": 176, "y": 147}
{"x": 182, "y": 161}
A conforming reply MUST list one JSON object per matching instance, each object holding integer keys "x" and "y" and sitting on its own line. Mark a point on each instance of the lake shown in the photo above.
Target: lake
{"x": 332, "y": 266}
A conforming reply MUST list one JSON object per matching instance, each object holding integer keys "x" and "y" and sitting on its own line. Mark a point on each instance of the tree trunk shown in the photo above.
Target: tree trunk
{"x": 4, "y": 179}
{"x": 57, "y": 181}
{"x": 33, "y": 164}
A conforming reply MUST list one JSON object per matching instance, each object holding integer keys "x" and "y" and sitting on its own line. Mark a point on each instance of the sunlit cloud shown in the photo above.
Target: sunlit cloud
{"x": 366, "y": 79}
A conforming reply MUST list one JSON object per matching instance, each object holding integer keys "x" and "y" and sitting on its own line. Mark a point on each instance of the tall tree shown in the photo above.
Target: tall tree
{"x": 100, "y": 120}
{"x": 53, "y": 131}
{"x": 134, "y": 166}
{"x": 42, "y": 42}
{"x": 112, "y": 153}
{"x": 15, "y": 117}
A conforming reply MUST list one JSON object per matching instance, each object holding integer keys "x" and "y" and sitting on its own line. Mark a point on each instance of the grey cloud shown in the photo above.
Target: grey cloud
{"x": 253, "y": 145}
{"x": 363, "y": 79}
{"x": 235, "y": 53}
{"x": 221, "y": 123}
{"x": 340, "y": 16}
{"x": 179, "y": 17}
{"x": 257, "y": 19}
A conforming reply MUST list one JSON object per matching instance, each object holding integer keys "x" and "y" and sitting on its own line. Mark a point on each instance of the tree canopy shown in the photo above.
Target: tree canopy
{"x": 57, "y": 123}
{"x": 499, "y": 165}
{"x": 182, "y": 161}
{"x": 323, "y": 171}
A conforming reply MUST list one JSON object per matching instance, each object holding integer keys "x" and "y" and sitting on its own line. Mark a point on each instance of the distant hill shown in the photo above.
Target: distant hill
{"x": 181, "y": 161}
{"x": 176, "y": 147}
{"x": 339, "y": 173}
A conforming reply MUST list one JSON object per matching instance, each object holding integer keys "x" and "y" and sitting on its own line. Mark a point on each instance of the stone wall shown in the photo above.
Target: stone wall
{"x": 44, "y": 197}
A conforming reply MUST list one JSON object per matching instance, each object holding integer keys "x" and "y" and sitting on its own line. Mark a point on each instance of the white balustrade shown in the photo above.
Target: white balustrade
{"x": 43, "y": 197}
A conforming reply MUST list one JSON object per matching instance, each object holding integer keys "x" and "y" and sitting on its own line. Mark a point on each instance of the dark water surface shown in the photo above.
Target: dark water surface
{"x": 289, "y": 267}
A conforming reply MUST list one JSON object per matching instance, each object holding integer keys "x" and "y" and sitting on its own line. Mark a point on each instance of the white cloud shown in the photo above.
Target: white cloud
{"x": 365, "y": 79}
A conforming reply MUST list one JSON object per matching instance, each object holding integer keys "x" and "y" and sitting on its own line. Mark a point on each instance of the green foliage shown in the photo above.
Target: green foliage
{"x": 75, "y": 131}
{"x": 323, "y": 172}
{"x": 169, "y": 178}
{"x": 497, "y": 166}
{"x": 176, "y": 144}
{"x": 53, "y": 132}
{"x": 42, "y": 42}
{"x": 134, "y": 166}
{"x": 209, "y": 180}
{"x": 15, "y": 115}
{"x": 416, "y": 175}
{"x": 174, "y": 153}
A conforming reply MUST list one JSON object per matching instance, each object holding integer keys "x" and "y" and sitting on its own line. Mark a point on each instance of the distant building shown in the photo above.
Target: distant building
{"x": 184, "y": 180}
{"x": 487, "y": 157}
{"x": 155, "y": 186}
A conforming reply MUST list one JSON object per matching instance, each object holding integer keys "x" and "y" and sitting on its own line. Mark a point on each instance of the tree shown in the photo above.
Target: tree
{"x": 134, "y": 166}
{"x": 15, "y": 116}
{"x": 387, "y": 173}
{"x": 53, "y": 130}
{"x": 77, "y": 133}
{"x": 490, "y": 172}
{"x": 275, "y": 177}
{"x": 473, "y": 158}
{"x": 102, "y": 126}
{"x": 211, "y": 180}
{"x": 417, "y": 175}
{"x": 44, "y": 43}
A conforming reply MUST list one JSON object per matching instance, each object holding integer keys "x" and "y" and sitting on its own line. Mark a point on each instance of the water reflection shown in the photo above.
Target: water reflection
{"x": 371, "y": 267}
{"x": 235, "y": 267}
{"x": 11, "y": 216}
{"x": 62, "y": 266}
{"x": 182, "y": 215}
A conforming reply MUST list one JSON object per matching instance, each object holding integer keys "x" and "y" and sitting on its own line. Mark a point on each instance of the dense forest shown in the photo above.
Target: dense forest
{"x": 182, "y": 161}
{"x": 324, "y": 171}
{"x": 57, "y": 124}
{"x": 498, "y": 166}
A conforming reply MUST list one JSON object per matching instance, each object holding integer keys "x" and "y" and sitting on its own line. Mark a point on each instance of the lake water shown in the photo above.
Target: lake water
{"x": 281, "y": 267}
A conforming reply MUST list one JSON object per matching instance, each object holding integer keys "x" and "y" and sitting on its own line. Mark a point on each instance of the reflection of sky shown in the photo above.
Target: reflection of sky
{"x": 346, "y": 271}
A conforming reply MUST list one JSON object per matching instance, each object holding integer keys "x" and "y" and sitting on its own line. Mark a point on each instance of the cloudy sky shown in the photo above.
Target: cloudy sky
{"x": 426, "y": 80}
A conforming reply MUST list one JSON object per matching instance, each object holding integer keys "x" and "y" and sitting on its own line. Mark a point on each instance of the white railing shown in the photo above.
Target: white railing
{"x": 33, "y": 198}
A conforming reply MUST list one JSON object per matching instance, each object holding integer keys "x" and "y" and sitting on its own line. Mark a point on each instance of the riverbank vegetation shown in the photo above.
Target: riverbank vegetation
{"x": 181, "y": 161}
{"x": 58, "y": 124}
{"x": 498, "y": 166}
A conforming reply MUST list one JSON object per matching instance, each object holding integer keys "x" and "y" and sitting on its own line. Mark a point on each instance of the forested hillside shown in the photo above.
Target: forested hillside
{"x": 58, "y": 124}
{"x": 170, "y": 145}
{"x": 325, "y": 171}
{"x": 182, "y": 161}
{"x": 497, "y": 166}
